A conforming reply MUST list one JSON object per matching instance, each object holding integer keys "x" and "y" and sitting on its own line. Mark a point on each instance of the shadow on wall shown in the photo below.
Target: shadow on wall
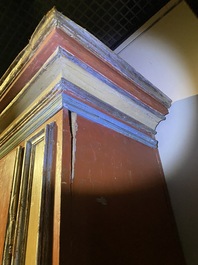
{"x": 179, "y": 154}
{"x": 167, "y": 55}
{"x": 173, "y": 54}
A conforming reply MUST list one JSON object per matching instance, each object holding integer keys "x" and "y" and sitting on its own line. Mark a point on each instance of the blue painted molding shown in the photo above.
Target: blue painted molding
{"x": 57, "y": 100}
{"x": 83, "y": 95}
{"x": 94, "y": 115}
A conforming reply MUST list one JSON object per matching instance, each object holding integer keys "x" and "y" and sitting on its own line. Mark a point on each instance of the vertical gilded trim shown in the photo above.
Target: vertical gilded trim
{"x": 12, "y": 213}
{"x": 24, "y": 201}
{"x": 47, "y": 203}
{"x": 46, "y": 206}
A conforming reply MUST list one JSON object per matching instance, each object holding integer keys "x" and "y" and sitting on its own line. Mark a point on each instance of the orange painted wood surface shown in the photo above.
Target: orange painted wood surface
{"x": 116, "y": 209}
{"x": 120, "y": 208}
{"x": 6, "y": 177}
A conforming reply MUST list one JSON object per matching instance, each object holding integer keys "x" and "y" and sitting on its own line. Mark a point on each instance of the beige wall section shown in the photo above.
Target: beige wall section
{"x": 167, "y": 55}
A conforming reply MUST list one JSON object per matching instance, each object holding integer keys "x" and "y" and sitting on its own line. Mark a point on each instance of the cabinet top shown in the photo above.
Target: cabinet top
{"x": 64, "y": 66}
{"x": 56, "y": 20}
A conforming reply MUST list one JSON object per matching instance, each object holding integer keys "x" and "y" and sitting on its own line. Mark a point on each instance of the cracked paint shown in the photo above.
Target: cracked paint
{"x": 74, "y": 129}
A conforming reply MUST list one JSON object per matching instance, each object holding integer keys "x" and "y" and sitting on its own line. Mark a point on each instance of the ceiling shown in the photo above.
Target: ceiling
{"x": 111, "y": 21}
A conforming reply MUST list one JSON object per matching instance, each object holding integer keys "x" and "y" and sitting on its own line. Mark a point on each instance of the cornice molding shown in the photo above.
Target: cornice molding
{"x": 51, "y": 74}
{"x": 55, "y": 19}
{"x": 56, "y": 100}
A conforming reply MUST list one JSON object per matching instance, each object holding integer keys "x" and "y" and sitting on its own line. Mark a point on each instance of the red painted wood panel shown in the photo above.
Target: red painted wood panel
{"x": 120, "y": 208}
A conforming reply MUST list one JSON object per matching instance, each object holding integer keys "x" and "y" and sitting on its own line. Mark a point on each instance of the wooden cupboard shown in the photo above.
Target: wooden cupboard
{"x": 81, "y": 179}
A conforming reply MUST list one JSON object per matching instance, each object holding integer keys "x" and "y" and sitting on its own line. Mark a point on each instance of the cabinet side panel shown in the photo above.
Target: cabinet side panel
{"x": 6, "y": 175}
{"x": 120, "y": 208}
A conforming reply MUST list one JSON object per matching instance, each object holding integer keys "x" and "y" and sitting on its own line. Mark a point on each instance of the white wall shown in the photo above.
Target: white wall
{"x": 167, "y": 55}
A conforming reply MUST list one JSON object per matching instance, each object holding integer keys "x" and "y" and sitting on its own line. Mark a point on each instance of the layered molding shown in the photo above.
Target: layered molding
{"x": 64, "y": 66}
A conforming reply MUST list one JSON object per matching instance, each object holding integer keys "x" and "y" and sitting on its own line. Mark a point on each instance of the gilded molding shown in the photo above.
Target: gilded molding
{"x": 43, "y": 238}
{"x": 13, "y": 207}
